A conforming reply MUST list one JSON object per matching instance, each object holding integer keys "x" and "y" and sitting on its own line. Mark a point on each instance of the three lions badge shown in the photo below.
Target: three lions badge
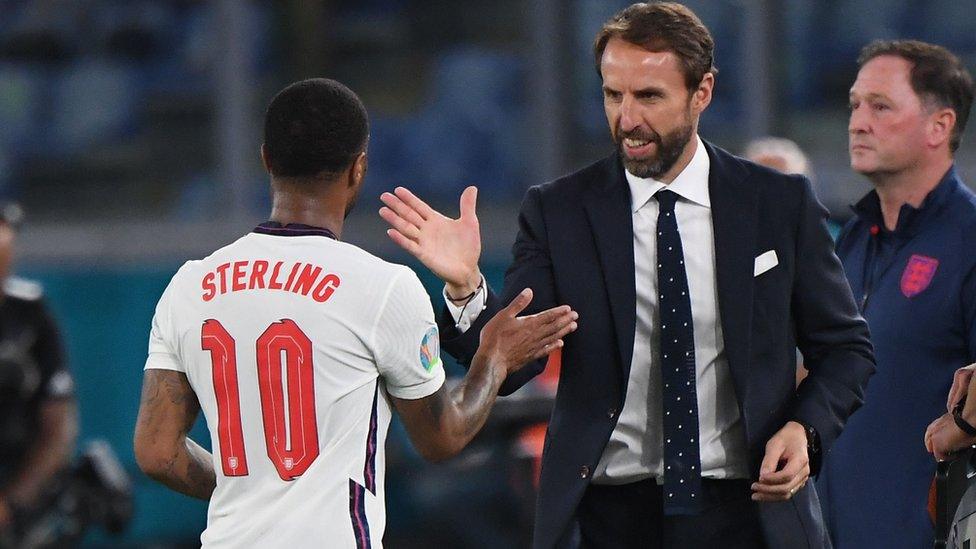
{"x": 918, "y": 275}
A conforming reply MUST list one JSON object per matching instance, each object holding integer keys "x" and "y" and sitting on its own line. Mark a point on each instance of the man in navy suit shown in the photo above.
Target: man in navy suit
{"x": 696, "y": 274}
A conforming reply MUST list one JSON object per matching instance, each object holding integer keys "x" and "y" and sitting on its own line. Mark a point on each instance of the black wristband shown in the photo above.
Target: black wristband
{"x": 468, "y": 297}
{"x": 960, "y": 422}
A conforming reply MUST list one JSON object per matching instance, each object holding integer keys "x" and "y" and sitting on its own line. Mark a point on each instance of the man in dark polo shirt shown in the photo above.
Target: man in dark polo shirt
{"x": 910, "y": 256}
{"x": 38, "y": 421}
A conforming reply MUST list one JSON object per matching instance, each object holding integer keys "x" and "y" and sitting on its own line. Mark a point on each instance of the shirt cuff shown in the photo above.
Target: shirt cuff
{"x": 465, "y": 314}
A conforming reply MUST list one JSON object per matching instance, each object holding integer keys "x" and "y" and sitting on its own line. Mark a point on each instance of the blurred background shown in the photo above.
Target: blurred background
{"x": 130, "y": 129}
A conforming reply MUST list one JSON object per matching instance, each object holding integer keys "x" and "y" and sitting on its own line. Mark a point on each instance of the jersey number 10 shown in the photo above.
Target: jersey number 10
{"x": 290, "y": 431}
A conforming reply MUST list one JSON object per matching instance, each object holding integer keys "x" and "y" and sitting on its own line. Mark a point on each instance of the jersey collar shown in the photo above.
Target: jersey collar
{"x": 293, "y": 229}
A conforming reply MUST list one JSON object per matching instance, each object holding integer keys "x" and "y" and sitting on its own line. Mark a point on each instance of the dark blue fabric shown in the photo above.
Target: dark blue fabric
{"x": 875, "y": 481}
{"x": 682, "y": 463}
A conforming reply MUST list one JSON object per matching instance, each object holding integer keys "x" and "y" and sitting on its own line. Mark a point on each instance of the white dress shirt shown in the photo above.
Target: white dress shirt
{"x": 635, "y": 449}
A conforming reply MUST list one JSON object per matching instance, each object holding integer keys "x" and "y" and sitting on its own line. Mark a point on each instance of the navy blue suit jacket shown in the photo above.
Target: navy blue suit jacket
{"x": 575, "y": 246}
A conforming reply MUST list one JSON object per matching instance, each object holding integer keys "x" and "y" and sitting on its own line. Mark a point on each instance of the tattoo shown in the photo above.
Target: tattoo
{"x": 443, "y": 423}
{"x": 435, "y": 408}
{"x": 167, "y": 412}
{"x": 475, "y": 396}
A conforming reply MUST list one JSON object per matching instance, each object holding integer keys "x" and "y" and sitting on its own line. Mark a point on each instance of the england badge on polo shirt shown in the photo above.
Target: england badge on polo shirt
{"x": 918, "y": 274}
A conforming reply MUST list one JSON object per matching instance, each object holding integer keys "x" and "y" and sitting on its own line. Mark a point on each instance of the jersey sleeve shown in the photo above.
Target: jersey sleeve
{"x": 162, "y": 347}
{"x": 406, "y": 343}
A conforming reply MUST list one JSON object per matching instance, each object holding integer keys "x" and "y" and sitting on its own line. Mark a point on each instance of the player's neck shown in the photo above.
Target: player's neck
{"x": 319, "y": 209}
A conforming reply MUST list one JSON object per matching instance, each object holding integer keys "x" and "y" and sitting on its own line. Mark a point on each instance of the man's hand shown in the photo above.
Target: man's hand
{"x": 441, "y": 425}
{"x": 448, "y": 247}
{"x": 509, "y": 341}
{"x": 786, "y": 466}
{"x": 944, "y": 437}
{"x": 960, "y": 384}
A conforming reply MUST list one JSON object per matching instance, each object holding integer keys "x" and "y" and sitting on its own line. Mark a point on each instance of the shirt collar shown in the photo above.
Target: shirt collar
{"x": 691, "y": 184}
{"x": 909, "y": 217}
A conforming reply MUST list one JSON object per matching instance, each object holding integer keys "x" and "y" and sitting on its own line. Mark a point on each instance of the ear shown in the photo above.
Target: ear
{"x": 264, "y": 159}
{"x": 702, "y": 96}
{"x": 358, "y": 170}
{"x": 942, "y": 123}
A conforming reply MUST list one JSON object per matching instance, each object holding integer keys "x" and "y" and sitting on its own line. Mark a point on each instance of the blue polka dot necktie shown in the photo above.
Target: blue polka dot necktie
{"x": 682, "y": 463}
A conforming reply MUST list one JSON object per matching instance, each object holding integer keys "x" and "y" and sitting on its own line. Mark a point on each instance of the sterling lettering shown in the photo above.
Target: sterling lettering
{"x": 303, "y": 279}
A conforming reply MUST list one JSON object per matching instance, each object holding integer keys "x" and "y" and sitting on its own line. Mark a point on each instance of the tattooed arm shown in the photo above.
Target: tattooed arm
{"x": 442, "y": 424}
{"x": 164, "y": 452}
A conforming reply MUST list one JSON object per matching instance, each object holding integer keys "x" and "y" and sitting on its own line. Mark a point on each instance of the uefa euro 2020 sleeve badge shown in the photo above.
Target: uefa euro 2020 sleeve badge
{"x": 430, "y": 349}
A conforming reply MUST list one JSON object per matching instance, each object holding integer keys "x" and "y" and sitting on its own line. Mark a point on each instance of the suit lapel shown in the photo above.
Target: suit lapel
{"x": 734, "y": 224}
{"x": 608, "y": 209}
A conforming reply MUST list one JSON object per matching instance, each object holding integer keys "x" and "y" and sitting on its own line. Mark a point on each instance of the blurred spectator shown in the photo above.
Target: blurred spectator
{"x": 38, "y": 423}
{"x": 786, "y": 156}
{"x": 908, "y": 254}
{"x": 780, "y": 154}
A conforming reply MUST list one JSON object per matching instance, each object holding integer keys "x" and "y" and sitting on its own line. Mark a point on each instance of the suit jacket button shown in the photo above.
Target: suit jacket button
{"x": 612, "y": 413}
{"x": 584, "y": 472}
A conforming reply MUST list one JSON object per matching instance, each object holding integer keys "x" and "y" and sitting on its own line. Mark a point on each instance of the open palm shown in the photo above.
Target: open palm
{"x": 448, "y": 247}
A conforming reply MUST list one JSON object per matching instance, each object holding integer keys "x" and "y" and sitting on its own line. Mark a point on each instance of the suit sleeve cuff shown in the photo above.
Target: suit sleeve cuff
{"x": 465, "y": 315}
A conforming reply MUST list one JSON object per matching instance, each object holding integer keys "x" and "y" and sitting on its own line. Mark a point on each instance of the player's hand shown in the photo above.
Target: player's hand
{"x": 448, "y": 247}
{"x": 510, "y": 341}
{"x": 786, "y": 467}
{"x": 960, "y": 384}
{"x": 943, "y": 437}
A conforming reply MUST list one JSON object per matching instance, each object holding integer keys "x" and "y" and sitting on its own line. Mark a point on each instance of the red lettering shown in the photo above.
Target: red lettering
{"x": 273, "y": 284}
{"x": 222, "y": 270}
{"x": 239, "y": 275}
{"x": 307, "y": 279}
{"x": 291, "y": 276}
{"x": 291, "y": 460}
{"x": 327, "y": 286}
{"x": 257, "y": 275}
{"x": 223, "y": 356}
{"x": 210, "y": 290}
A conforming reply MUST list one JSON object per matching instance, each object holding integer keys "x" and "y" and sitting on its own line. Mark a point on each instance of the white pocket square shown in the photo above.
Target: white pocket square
{"x": 764, "y": 262}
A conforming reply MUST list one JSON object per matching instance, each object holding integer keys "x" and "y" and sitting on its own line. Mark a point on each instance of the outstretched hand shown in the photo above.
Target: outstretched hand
{"x": 448, "y": 247}
{"x": 510, "y": 341}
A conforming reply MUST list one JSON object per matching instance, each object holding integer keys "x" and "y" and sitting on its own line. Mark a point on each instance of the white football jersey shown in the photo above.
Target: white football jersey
{"x": 292, "y": 341}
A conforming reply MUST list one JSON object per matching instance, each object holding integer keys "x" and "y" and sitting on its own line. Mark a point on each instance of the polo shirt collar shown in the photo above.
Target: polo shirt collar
{"x": 910, "y": 219}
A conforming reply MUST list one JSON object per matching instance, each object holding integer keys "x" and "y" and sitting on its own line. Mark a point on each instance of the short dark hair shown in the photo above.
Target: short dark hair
{"x": 937, "y": 76}
{"x": 316, "y": 126}
{"x": 663, "y": 26}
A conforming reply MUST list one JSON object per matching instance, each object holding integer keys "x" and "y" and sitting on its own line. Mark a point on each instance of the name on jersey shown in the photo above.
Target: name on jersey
{"x": 298, "y": 278}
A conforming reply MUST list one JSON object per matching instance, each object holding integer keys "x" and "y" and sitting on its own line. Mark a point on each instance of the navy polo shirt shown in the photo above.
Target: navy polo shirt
{"x": 916, "y": 287}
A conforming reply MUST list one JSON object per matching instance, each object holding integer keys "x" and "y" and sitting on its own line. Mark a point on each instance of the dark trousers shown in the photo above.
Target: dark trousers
{"x": 631, "y": 515}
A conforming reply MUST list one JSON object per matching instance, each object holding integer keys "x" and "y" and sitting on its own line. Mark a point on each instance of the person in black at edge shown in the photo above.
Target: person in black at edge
{"x": 38, "y": 418}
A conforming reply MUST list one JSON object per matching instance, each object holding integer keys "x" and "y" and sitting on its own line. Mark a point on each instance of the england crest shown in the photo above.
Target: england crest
{"x": 918, "y": 274}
